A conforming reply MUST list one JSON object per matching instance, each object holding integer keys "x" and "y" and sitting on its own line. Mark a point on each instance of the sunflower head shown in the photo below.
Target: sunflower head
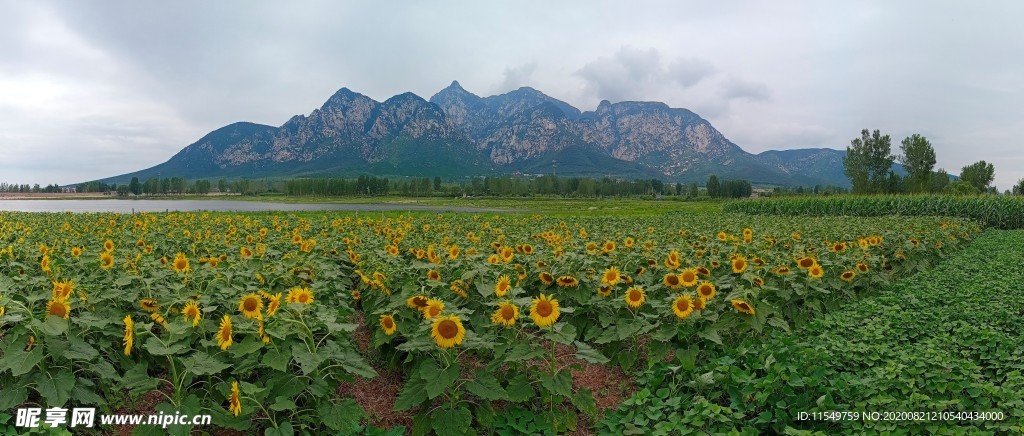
{"x": 682, "y": 306}
{"x": 149, "y": 305}
{"x": 180, "y": 263}
{"x": 815, "y": 271}
{"x": 739, "y": 264}
{"x": 635, "y": 297}
{"x": 62, "y": 290}
{"x": 387, "y": 324}
{"x": 568, "y": 282}
{"x": 191, "y": 312}
{"x": 706, "y": 290}
{"x": 300, "y": 295}
{"x": 502, "y": 287}
{"x": 506, "y": 314}
{"x": 106, "y": 260}
{"x": 251, "y": 306}
{"x": 417, "y": 302}
{"x": 611, "y": 276}
{"x": 433, "y": 309}
{"x": 447, "y": 331}
{"x": 688, "y": 278}
{"x": 235, "y": 399}
{"x": 546, "y": 278}
{"x": 544, "y": 311}
{"x": 742, "y": 307}
{"x": 847, "y": 276}
{"x": 224, "y": 339}
{"x": 671, "y": 281}
{"x": 58, "y": 308}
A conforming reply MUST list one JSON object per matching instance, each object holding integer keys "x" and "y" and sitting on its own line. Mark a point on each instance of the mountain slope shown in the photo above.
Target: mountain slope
{"x": 457, "y": 133}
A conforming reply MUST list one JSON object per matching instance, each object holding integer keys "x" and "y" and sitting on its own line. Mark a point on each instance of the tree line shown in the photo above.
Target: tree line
{"x": 869, "y": 159}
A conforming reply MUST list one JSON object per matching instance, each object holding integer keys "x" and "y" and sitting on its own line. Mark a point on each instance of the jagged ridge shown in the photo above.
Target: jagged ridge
{"x": 457, "y": 133}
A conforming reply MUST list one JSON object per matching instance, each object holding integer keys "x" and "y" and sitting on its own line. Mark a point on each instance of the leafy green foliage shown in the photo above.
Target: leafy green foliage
{"x": 992, "y": 211}
{"x": 944, "y": 340}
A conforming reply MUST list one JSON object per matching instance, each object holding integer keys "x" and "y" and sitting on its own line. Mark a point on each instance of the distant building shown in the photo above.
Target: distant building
{"x": 69, "y": 189}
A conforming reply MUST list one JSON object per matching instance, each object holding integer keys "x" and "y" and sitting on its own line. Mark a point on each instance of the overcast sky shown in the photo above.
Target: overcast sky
{"x": 100, "y": 88}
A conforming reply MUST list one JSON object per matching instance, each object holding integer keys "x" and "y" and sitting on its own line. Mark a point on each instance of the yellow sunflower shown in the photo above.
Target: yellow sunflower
{"x": 417, "y": 302}
{"x": 739, "y": 264}
{"x": 76, "y": 251}
{"x": 506, "y": 315}
{"x": 503, "y": 285}
{"x": 387, "y": 324}
{"x": 106, "y": 260}
{"x": 434, "y": 275}
{"x": 683, "y": 306}
{"x": 180, "y": 263}
{"x": 806, "y": 262}
{"x": 706, "y": 290}
{"x": 108, "y": 245}
{"x": 62, "y": 290}
{"x": 862, "y": 267}
{"x": 300, "y": 295}
{"x": 608, "y": 246}
{"x": 191, "y": 311}
{"x": 245, "y": 252}
{"x": 544, "y": 311}
{"x": 251, "y": 306}
{"x": 568, "y": 282}
{"x": 815, "y": 271}
{"x": 158, "y": 318}
{"x": 235, "y": 399}
{"x": 611, "y": 276}
{"x": 688, "y": 278}
{"x": 433, "y": 309}
{"x": 224, "y": 339}
{"x": 129, "y": 335}
{"x": 671, "y": 281}
{"x": 546, "y": 278}
{"x": 149, "y": 305}
{"x": 700, "y": 303}
{"x": 273, "y": 303}
{"x": 59, "y": 308}
{"x": 447, "y": 331}
{"x": 635, "y": 297}
{"x": 743, "y": 307}
{"x": 847, "y": 276}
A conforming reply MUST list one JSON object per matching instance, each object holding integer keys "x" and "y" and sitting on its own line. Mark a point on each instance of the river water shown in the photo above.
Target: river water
{"x": 131, "y": 206}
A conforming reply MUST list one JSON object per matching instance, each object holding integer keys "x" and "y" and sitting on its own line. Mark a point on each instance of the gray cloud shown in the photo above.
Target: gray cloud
{"x": 517, "y": 77}
{"x": 93, "y": 89}
{"x": 734, "y": 88}
{"x": 636, "y": 74}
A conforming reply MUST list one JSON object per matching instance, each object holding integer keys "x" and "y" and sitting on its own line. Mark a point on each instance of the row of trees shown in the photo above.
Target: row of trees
{"x": 25, "y": 188}
{"x": 869, "y": 160}
{"x": 728, "y": 188}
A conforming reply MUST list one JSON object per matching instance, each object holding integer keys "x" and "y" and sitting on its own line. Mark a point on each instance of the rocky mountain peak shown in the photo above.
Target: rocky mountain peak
{"x": 458, "y": 133}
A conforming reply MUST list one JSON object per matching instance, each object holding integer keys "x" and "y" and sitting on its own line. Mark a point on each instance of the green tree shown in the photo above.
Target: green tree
{"x": 713, "y": 186}
{"x": 939, "y": 180}
{"x": 960, "y": 187}
{"x": 1018, "y": 189}
{"x": 918, "y": 157}
{"x": 134, "y": 186}
{"x": 868, "y": 162}
{"x": 979, "y": 174}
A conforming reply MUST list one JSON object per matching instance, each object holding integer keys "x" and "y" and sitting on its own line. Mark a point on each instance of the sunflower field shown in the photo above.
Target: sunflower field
{"x": 258, "y": 318}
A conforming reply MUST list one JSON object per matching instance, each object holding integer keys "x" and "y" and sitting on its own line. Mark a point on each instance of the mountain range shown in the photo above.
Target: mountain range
{"x": 457, "y": 134}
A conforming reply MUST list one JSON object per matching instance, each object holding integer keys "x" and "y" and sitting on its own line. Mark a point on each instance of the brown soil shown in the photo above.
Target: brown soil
{"x": 144, "y": 405}
{"x": 377, "y": 397}
{"x": 362, "y": 334}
